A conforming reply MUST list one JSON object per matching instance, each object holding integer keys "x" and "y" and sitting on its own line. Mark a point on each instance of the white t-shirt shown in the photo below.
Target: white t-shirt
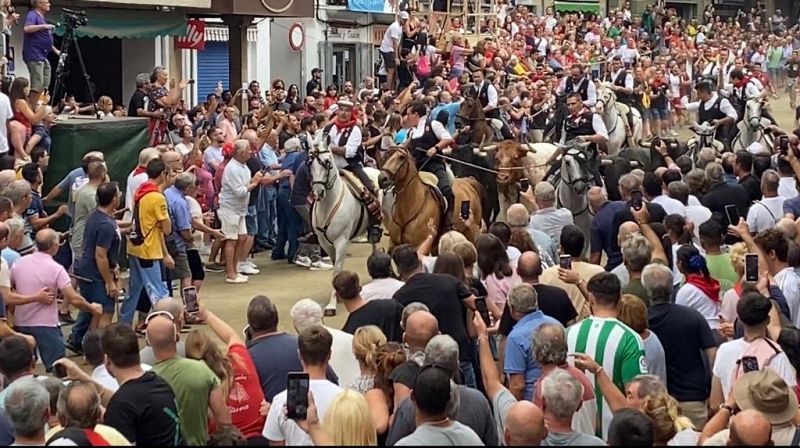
{"x": 134, "y": 182}
{"x": 382, "y": 288}
{"x": 789, "y": 283}
{"x": 787, "y": 188}
{"x": 196, "y": 212}
{"x": 670, "y": 205}
{"x": 691, "y": 296}
{"x": 101, "y": 376}
{"x": 697, "y": 214}
{"x": 5, "y": 114}
{"x": 343, "y": 361}
{"x": 394, "y": 32}
{"x": 278, "y": 428}
{"x": 726, "y": 362}
{"x": 764, "y": 214}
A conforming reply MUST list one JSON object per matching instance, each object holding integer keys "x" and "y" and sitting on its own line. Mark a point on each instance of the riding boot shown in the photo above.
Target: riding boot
{"x": 629, "y": 118}
{"x": 447, "y": 222}
{"x": 594, "y": 168}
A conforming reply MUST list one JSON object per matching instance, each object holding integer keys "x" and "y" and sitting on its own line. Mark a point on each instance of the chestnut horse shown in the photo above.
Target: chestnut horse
{"x": 471, "y": 113}
{"x": 417, "y": 201}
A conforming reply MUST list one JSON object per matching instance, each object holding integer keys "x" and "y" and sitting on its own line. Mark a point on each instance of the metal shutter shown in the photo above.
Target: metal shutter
{"x": 212, "y": 66}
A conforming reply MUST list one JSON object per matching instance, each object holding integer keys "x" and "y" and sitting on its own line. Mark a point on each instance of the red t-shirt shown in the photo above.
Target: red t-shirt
{"x": 246, "y": 395}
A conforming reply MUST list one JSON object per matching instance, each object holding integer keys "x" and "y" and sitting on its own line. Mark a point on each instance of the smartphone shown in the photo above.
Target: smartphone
{"x": 190, "y": 300}
{"x": 247, "y": 332}
{"x": 464, "y": 210}
{"x": 733, "y": 214}
{"x": 637, "y": 199}
{"x": 483, "y": 309}
{"x": 297, "y": 395}
{"x": 751, "y": 268}
{"x": 524, "y": 184}
{"x": 59, "y": 371}
{"x": 782, "y": 142}
{"x": 565, "y": 261}
{"x": 749, "y": 364}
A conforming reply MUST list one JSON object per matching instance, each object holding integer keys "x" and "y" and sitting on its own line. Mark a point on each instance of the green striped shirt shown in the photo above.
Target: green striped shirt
{"x": 614, "y": 346}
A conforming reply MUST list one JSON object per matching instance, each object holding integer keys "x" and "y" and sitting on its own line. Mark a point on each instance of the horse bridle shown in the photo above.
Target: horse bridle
{"x": 585, "y": 178}
{"x": 393, "y": 174}
{"x": 313, "y": 156}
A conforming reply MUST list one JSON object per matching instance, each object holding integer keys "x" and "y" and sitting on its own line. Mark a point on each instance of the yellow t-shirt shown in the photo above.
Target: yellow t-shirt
{"x": 152, "y": 209}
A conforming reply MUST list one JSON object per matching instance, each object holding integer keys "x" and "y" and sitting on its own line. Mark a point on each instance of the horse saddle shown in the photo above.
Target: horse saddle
{"x": 361, "y": 192}
{"x": 430, "y": 181}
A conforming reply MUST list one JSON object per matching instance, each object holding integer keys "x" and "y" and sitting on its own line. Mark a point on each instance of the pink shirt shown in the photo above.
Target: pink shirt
{"x": 497, "y": 289}
{"x": 228, "y": 130}
{"x": 30, "y": 274}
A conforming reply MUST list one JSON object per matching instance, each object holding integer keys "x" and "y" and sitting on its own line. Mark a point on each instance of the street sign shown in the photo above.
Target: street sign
{"x": 297, "y": 36}
{"x": 195, "y": 38}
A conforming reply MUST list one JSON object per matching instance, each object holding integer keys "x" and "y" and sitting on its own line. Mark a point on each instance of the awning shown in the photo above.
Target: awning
{"x": 577, "y": 6}
{"x": 129, "y": 24}
{"x": 221, "y": 34}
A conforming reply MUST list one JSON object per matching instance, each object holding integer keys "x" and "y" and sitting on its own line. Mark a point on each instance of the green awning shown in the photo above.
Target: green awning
{"x": 129, "y": 24}
{"x": 577, "y": 6}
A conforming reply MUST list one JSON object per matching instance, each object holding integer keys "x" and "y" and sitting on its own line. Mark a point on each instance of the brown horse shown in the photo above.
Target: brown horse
{"x": 471, "y": 112}
{"x": 417, "y": 201}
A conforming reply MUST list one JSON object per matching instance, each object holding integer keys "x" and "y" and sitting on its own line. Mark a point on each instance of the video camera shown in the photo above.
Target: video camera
{"x": 74, "y": 18}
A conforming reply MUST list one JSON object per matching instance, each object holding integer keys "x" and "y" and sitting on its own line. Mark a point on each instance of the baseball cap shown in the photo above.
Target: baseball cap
{"x": 765, "y": 391}
{"x": 403, "y": 15}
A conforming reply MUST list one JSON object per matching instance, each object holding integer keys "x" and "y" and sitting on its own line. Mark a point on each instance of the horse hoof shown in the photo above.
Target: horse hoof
{"x": 330, "y": 312}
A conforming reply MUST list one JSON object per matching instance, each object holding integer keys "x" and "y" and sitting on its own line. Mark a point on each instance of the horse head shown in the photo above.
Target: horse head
{"x": 321, "y": 169}
{"x": 471, "y": 111}
{"x": 574, "y": 172}
{"x": 752, "y": 113}
{"x": 606, "y": 99}
{"x": 508, "y": 159}
{"x": 398, "y": 167}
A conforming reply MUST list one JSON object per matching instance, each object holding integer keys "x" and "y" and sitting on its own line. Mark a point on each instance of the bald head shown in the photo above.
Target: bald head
{"x": 421, "y": 327}
{"x": 627, "y": 228}
{"x": 517, "y": 216}
{"x": 47, "y": 241}
{"x": 172, "y": 306}
{"x": 751, "y": 428}
{"x": 161, "y": 335}
{"x": 524, "y": 425}
{"x": 529, "y": 266}
{"x": 597, "y": 197}
{"x": 788, "y": 228}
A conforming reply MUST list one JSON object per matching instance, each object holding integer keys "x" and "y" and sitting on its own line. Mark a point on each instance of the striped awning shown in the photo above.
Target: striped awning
{"x": 220, "y": 34}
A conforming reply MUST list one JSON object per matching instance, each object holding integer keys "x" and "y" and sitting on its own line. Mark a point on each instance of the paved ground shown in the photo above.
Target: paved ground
{"x": 285, "y": 284}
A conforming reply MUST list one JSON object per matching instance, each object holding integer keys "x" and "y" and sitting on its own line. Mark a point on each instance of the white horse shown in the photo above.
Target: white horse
{"x": 615, "y": 117}
{"x": 573, "y": 186}
{"x": 751, "y": 128}
{"x": 337, "y": 215}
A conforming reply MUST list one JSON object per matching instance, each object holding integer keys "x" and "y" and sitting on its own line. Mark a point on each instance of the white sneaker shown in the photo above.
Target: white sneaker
{"x": 239, "y": 279}
{"x": 246, "y": 269}
{"x": 302, "y": 261}
{"x": 321, "y": 266}
{"x": 250, "y": 263}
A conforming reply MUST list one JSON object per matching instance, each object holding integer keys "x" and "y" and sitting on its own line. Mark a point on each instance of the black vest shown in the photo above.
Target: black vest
{"x": 483, "y": 97}
{"x": 712, "y": 113}
{"x": 583, "y": 88}
{"x": 418, "y": 146}
{"x": 343, "y": 137}
{"x": 624, "y": 98}
{"x": 582, "y": 126}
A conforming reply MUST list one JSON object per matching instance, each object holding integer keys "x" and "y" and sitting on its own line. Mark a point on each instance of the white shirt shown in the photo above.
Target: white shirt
{"x": 628, "y": 78}
{"x": 590, "y": 37}
{"x": 390, "y": 38}
{"x": 491, "y": 92}
{"x": 343, "y": 361}
{"x": 6, "y": 113}
{"x": 438, "y": 129}
{"x": 693, "y": 200}
{"x": 382, "y": 288}
{"x": 628, "y": 55}
{"x": 551, "y": 220}
{"x": 789, "y": 283}
{"x": 234, "y": 194}
{"x": 101, "y": 376}
{"x": 513, "y": 255}
{"x": 758, "y": 58}
{"x": 350, "y": 147}
{"x": 278, "y": 428}
{"x": 183, "y": 149}
{"x": 134, "y": 182}
{"x": 691, "y": 296}
{"x": 591, "y": 90}
{"x": 787, "y": 187}
{"x": 550, "y": 22}
{"x": 724, "y": 106}
{"x": 764, "y": 214}
{"x": 670, "y": 205}
{"x": 729, "y": 353}
{"x": 697, "y": 214}
{"x": 711, "y": 70}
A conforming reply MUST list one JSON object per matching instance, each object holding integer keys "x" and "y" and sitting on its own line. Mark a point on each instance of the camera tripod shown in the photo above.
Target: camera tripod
{"x": 62, "y": 70}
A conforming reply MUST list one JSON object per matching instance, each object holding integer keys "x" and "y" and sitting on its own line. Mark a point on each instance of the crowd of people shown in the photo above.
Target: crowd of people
{"x": 672, "y": 320}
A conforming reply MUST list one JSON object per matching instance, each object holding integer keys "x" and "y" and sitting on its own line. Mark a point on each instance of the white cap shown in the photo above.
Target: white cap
{"x": 403, "y": 15}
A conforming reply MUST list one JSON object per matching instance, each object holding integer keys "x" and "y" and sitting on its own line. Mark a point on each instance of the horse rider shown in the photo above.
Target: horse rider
{"x": 745, "y": 88}
{"x": 487, "y": 95}
{"x": 345, "y": 143}
{"x": 622, "y": 85}
{"x": 582, "y": 125}
{"x": 427, "y": 138}
{"x": 579, "y": 82}
{"x": 713, "y": 109}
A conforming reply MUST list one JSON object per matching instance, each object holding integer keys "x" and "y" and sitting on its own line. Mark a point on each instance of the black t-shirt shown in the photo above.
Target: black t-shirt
{"x": 283, "y": 137}
{"x": 685, "y": 334}
{"x": 405, "y": 374}
{"x": 793, "y": 69}
{"x": 137, "y": 102}
{"x": 384, "y": 313}
{"x": 444, "y": 295}
{"x": 553, "y": 301}
{"x": 255, "y": 166}
{"x": 753, "y": 187}
{"x": 302, "y": 185}
{"x": 655, "y": 212}
{"x": 145, "y": 411}
{"x": 724, "y": 194}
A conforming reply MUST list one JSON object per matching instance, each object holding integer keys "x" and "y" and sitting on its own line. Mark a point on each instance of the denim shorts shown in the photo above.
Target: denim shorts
{"x": 251, "y": 220}
{"x": 49, "y": 342}
{"x": 659, "y": 114}
{"x": 95, "y": 292}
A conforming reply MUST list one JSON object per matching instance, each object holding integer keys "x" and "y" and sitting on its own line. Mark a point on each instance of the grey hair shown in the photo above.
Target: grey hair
{"x": 46, "y": 241}
{"x": 410, "y": 309}
{"x": 517, "y": 215}
{"x": 26, "y": 403}
{"x": 657, "y": 281}
{"x": 714, "y": 173}
{"x": 17, "y": 190}
{"x": 148, "y": 154}
{"x": 523, "y": 299}
{"x": 142, "y": 79}
{"x": 80, "y": 412}
{"x": 629, "y": 182}
{"x": 549, "y": 345}
{"x": 240, "y": 146}
{"x": 648, "y": 385}
{"x": 6, "y": 177}
{"x": 184, "y": 181}
{"x": 442, "y": 350}
{"x": 706, "y": 157}
{"x": 636, "y": 252}
{"x": 770, "y": 179}
{"x": 562, "y": 394}
{"x": 305, "y": 314}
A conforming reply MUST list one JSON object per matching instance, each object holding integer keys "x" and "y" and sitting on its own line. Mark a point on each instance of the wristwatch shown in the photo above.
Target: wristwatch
{"x": 726, "y": 406}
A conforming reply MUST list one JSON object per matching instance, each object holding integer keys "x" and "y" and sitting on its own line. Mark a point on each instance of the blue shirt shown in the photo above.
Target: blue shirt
{"x": 291, "y": 161}
{"x": 792, "y": 206}
{"x": 730, "y": 178}
{"x": 10, "y": 255}
{"x": 601, "y": 232}
{"x": 519, "y": 354}
{"x": 36, "y": 208}
{"x": 179, "y": 213}
{"x": 452, "y": 112}
{"x": 267, "y": 157}
{"x": 100, "y": 231}
{"x": 36, "y": 46}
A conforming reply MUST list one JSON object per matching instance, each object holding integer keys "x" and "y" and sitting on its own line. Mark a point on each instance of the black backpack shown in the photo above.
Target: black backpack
{"x": 136, "y": 236}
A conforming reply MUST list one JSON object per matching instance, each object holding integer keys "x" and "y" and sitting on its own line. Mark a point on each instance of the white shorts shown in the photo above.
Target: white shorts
{"x": 232, "y": 223}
